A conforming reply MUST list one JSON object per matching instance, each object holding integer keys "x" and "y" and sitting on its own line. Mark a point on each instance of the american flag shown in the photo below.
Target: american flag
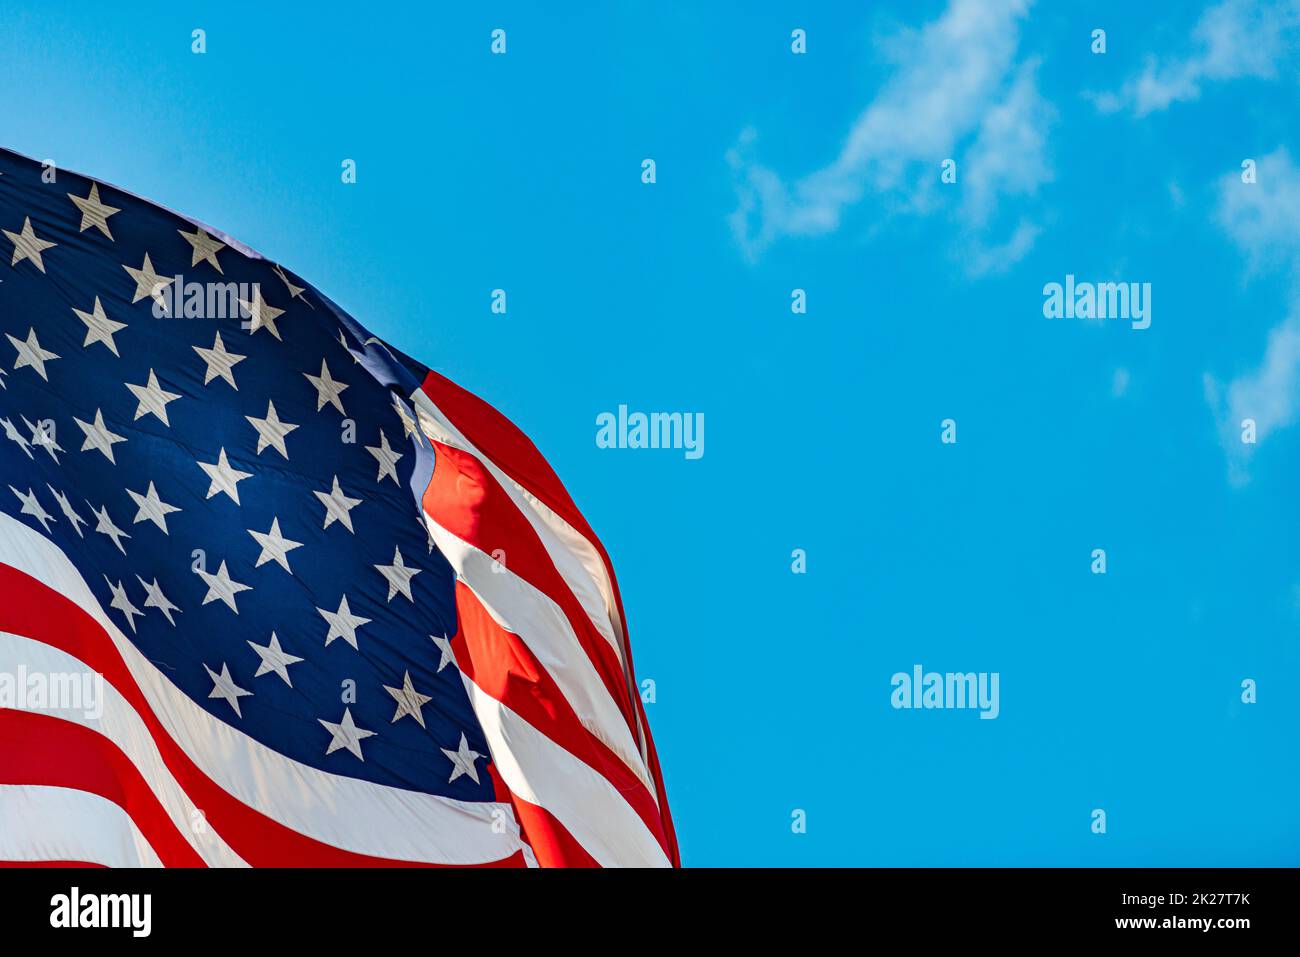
{"x": 343, "y": 610}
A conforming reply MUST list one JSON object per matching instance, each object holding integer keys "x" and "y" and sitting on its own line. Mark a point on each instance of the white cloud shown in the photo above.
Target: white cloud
{"x": 1261, "y": 219}
{"x": 959, "y": 93}
{"x": 1234, "y": 39}
{"x": 981, "y": 258}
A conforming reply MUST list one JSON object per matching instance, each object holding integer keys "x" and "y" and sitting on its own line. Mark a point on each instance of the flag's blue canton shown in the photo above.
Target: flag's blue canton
{"x": 88, "y": 380}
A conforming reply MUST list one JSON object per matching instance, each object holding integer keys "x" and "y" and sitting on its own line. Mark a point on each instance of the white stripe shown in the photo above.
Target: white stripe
{"x": 519, "y": 607}
{"x": 112, "y": 716}
{"x": 348, "y": 813}
{"x": 59, "y": 824}
{"x": 575, "y": 558}
{"x": 541, "y": 772}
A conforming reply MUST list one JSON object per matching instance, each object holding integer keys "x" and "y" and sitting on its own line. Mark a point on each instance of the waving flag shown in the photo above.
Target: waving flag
{"x": 273, "y": 593}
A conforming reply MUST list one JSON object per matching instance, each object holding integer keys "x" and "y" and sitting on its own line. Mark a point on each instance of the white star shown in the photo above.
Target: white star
{"x": 345, "y": 734}
{"x": 33, "y": 508}
{"x": 338, "y": 506}
{"x": 343, "y": 341}
{"x": 224, "y": 687}
{"x": 408, "y": 421}
{"x": 12, "y": 433}
{"x": 68, "y": 512}
{"x": 122, "y": 603}
{"x": 274, "y": 658}
{"x": 156, "y": 599}
{"x": 261, "y": 314}
{"x": 43, "y": 436}
{"x": 152, "y": 398}
{"x": 386, "y": 458}
{"x": 294, "y": 291}
{"x": 327, "y": 388}
{"x": 152, "y": 508}
{"x": 444, "y": 645}
{"x": 93, "y": 212}
{"x": 222, "y": 586}
{"x": 409, "y": 701}
{"x": 31, "y": 354}
{"x": 462, "y": 760}
{"x": 225, "y": 478}
{"x": 105, "y": 525}
{"x": 275, "y": 547}
{"x": 27, "y": 246}
{"x": 149, "y": 283}
{"x": 427, "y": 524}
{"x": 2, "y": 381}
{"x": 343, "y": 624}
{"x": 99, "y": 328}
{"x": 98, "y": 436}
{"x": 220, "y": 362}
{"x": 205, "y": 247}
{"x": 398, "y": 575}
{"x": 271, "y": 431}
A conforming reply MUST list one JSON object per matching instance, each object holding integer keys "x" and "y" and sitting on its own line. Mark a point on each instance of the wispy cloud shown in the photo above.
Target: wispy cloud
{"x": 1261, "y": 219}
{"x": 1234, "y": 39}
{"x": 960, "y": 93}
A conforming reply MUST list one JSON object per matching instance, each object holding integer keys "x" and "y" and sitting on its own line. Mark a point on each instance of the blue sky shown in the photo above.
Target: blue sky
{"x": 821, "y": 171}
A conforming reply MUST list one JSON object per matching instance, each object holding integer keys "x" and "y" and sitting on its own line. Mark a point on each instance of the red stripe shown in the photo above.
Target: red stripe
{"x": 52, "y": 864}
{"x": 33, "y": 610}
{"x": 501, "y": 664}
{"x": 656, "y": 772}
{"x": 508, "y": 448}
{"x": 467, "y": 500}
{"x": 45, "y": 750}
{"x": 511, "y": 451}
{"x": 554, "y": 846}
{"x": 551, "y": 841}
